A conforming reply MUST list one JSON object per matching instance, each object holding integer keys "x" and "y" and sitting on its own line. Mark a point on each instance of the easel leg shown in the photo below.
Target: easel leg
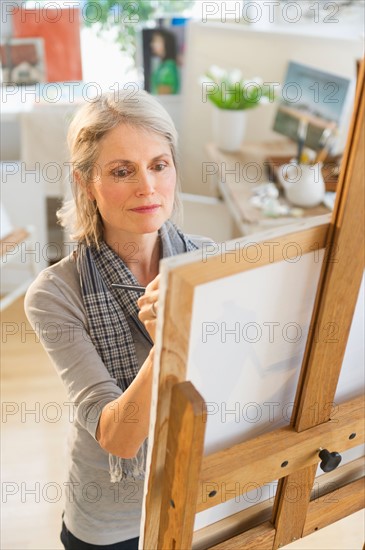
{"x": 291, "y": 504}
{"x": 185, "y": 444}
{"x": 318, "y": 382}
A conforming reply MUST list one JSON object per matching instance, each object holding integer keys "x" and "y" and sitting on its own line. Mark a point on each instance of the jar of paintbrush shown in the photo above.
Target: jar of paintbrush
{"x": 302, "y": 178}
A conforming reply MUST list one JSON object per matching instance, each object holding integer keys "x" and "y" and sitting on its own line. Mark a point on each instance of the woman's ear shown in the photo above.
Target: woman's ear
{"x": 89, "y": 193}
{"x": 80, "y": 181}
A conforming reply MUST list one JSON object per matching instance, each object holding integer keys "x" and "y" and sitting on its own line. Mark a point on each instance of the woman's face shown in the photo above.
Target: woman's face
{"x": 134, "y": 183}
{"x": 158, "y": 45}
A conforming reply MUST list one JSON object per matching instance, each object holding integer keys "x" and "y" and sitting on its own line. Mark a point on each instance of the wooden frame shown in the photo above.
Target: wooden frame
{"x": 172, "y": 488}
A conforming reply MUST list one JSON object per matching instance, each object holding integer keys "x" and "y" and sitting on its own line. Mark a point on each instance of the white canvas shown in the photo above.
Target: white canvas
{"x": 248, "y": 376}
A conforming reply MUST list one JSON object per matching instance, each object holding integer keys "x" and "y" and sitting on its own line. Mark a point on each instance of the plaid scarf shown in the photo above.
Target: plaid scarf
{"x": 109, "y": 314}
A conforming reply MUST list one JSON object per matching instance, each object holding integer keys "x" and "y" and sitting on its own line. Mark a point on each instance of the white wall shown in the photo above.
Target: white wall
{"x": 22, "y": 195}
{"x": 257, "y": 52}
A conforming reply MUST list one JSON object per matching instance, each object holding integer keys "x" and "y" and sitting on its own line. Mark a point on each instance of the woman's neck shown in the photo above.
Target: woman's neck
{"x": 140, "y": 253}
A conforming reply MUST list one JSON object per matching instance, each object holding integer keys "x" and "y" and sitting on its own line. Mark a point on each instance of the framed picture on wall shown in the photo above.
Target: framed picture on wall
{"x": 60, "y": 31}
{"x": 163, "y": 52}
{"x": 315, "y": 97}
{"x": 22, "y": 61}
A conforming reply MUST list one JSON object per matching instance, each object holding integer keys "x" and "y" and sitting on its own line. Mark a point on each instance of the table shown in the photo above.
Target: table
{"x": 239, "y": 172}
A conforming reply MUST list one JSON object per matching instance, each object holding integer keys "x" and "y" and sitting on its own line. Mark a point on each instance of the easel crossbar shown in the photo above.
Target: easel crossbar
{"x": 334, "y": 506}
{"x": 330, "y": 489}
{"x": 261, "y": 537}
{"x": 259, "y": 461}
{"x": 321, "y": 512}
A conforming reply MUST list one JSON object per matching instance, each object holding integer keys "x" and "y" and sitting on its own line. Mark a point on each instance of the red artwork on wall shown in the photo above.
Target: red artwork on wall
{"x": 60, "y": 29}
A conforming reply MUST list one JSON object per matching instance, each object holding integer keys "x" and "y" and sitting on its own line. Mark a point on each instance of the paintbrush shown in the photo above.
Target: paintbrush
{"x": 302, "y": 136}
{"x": 324, "y": 144}
{"x": 129, "y": 287}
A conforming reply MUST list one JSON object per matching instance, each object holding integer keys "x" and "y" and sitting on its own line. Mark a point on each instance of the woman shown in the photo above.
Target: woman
{"x": 100, "y": 337}
{"x": 165, "y": 77}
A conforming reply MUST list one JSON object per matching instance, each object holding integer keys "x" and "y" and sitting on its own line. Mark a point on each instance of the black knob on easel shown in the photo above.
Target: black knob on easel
{"x": 330, "y": 461}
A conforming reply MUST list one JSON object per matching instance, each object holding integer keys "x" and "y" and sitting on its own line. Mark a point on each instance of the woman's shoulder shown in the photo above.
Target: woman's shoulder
{"x": 59, "y": 279}
{"x": 63, "y": 271}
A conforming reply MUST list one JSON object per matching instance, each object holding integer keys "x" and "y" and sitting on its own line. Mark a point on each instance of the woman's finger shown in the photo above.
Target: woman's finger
{"x": 154, "y": 284}
{"x": 147, "y": 298}
{"x": 148, "y": 311}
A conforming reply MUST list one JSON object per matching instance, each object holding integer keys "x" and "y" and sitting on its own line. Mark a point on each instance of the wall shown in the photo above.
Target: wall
{"x": 257, "y": 52}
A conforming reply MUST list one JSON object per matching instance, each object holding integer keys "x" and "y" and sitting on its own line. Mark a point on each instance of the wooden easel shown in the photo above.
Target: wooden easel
{"x": 179, "y": 470}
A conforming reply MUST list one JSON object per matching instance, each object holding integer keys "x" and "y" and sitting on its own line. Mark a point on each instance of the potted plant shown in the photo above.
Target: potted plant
{"x": 232, "y": 96}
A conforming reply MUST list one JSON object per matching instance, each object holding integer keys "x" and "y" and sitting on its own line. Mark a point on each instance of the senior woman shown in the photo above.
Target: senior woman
{"x": 99, "y": 337}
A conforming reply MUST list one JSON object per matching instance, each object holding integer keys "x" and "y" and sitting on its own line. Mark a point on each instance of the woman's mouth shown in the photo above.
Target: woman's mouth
{"x": 147, "y": 209}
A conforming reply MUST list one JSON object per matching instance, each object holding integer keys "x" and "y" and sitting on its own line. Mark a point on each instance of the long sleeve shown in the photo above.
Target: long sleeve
{"x": 54, "y": 309}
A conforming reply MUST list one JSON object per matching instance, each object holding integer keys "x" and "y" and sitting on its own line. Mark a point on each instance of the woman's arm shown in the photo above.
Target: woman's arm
{"x": 123, "y": 423}
{"x": 55, "y": 312}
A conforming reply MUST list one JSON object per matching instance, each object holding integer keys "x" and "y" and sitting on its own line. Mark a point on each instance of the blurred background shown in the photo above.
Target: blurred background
{"x": 57, "y": 55}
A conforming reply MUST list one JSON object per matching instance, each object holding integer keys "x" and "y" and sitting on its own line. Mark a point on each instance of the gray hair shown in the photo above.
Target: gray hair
{"x": 80, "y": 215}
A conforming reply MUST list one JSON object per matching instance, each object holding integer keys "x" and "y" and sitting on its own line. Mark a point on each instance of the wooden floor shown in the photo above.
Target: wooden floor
{"x": 35, "y": 420}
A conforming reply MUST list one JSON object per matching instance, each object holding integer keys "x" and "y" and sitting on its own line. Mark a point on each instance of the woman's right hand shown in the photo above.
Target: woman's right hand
{"x": 148, "y": 304}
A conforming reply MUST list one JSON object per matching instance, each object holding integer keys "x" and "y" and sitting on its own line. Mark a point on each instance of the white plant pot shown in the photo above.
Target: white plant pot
{"x": 228, "y": 128}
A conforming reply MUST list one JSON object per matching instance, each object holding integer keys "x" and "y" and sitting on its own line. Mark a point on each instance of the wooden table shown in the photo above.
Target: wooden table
{"x": 240, "y": 172}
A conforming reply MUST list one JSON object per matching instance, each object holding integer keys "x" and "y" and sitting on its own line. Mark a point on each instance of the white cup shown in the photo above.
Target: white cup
{"x": 303, "y": 183}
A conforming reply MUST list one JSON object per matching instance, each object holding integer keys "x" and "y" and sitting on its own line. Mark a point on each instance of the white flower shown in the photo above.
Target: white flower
{"x": 217, "y": 72}
{"x": 235, "y": 75}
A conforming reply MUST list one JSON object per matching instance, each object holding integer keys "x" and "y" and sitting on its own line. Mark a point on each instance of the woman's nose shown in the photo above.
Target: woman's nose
{"x": 146, "y": 184}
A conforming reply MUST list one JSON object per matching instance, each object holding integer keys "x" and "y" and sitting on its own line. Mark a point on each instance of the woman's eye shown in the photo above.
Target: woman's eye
{"x": 121, "y": 173}
{"x": 160, "y": 166}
